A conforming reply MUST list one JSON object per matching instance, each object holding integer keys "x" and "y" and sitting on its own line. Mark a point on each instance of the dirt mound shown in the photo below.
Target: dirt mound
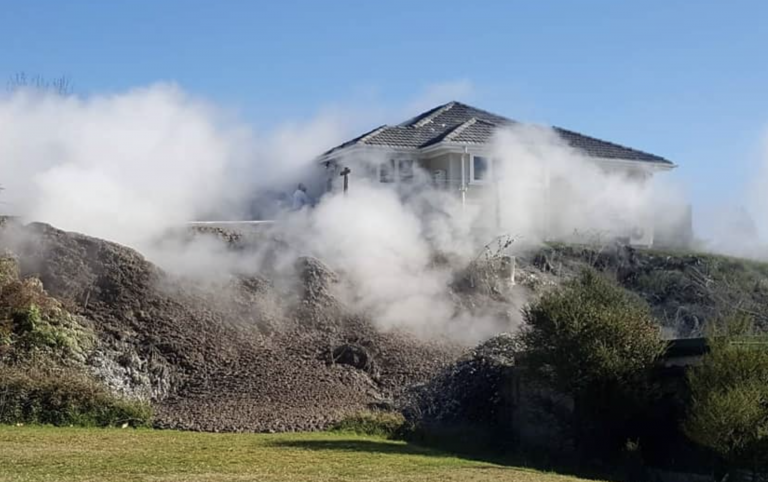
{"x": 470, "y": 391}
{"x": 236, "y": 356}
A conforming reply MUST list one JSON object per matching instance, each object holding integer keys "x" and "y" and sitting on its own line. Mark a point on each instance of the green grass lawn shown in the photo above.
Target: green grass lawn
{"x": 77, "y": 454}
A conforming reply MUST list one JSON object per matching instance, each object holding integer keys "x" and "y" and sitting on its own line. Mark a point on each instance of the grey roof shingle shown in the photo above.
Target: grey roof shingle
{"x": 460, "y": 123}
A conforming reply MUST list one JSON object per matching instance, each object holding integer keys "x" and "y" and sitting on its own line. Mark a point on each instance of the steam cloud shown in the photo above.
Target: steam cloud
{"x": 755, "y": 227}
{"x": 739, "y": 228}
{"x": 126, "y": 167}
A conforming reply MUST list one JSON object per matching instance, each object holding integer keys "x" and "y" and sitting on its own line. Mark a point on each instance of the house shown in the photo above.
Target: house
{"x": 452, "y": 143}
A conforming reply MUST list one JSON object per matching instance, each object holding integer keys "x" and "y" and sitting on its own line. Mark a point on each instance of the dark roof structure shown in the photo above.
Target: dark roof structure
{"x": 459, "y": 123}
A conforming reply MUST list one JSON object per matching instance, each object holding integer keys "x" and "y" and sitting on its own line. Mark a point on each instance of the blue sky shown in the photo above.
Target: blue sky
{"x": 684, "y": 79}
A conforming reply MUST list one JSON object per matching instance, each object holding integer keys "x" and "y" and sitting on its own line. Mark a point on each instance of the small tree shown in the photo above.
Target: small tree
{"x": 59, "y": 85}
{"x": 729, "y": 401}
{"x": 596, "y": 343}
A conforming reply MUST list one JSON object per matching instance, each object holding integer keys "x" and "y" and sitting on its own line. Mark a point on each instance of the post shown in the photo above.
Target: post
{"x": 463, "y": 188}
{"x": 345, "y": 173}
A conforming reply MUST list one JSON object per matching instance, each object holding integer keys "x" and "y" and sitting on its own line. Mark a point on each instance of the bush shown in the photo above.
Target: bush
{"x": 64, "y": 397}
{"x": 9, "y": 268}
{"x": 473, "y": 391}
{"x": 32, "y": 321}
{"x": 35, "y": 330}
{"x": 379, "y": 424}
{"x": 729, "y": 401}
{"x": 595, "y": 343}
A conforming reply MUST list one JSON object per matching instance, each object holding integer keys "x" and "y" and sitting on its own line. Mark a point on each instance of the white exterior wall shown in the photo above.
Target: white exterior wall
{"x": 450, "y": 162}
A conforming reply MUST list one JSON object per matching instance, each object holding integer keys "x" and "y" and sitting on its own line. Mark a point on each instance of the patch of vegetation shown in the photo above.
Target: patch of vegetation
{"x": 59, "y": 332}
{"x": 375, "y": 423}
{"x": 687, "y": 291}
{"x": 31, "y": 321}
{"x": 64, "y": 397}
{"x": 729, "y": 401}
{"x": 9, "y": 269}
{"x": 596, "y": 343}
{"x": 42, "y": 352}
{"x": 71, "y": 454}
{"x": 491, "y": 270}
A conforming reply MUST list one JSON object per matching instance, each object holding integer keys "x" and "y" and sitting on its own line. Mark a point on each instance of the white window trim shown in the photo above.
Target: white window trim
{"x": 488, "y": 169}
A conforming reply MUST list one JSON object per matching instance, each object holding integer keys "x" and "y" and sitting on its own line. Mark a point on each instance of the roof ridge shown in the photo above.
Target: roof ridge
{"x": 488, "y": 113}
{"x": 426, "y": 120}
{"x": 460, "y": 128}
{"x": 496, "y": 124}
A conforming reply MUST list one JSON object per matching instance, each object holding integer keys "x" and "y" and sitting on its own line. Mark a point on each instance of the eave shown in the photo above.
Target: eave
{"x": 445, "y": 147}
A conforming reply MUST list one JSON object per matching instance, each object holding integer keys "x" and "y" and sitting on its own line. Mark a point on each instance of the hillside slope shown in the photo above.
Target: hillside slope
{"x": 249, "y": 354}
{"x": 686, "y": 290}
{"x": 224, "y": 357}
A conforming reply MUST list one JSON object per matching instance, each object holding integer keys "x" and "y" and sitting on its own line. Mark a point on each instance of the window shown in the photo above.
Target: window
{"x": 396, "y": 170}
{"x": 438, "y": 177}
{"x": 387, "y": 171}
{"x": 479, "y": 168}
{"x": 405, "y": 169}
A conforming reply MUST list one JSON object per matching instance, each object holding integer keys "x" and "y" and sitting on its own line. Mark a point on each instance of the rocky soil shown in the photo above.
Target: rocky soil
{"x": 235, "y": 356}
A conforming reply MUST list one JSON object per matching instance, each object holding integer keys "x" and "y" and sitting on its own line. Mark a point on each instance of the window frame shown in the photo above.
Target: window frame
{"x": 411, "y": 171}
{"x": 393, "y": 165}
{"x": 389, "y": 166}
{"x": 488, "y": 169}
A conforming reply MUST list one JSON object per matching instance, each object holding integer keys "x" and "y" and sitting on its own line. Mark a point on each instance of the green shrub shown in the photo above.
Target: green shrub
{"x": 54, "y": 331}
{"x": 32, "y": 321}
{"x": 33, "y": 330}
{"x": 64, "y": 397}
{"x": 596, "y": 343}
{"x": 729, "y": 401}
{"x": 380, "y": 424}
{"x": 27, "y": 320}
{"x": 9, "y": 269}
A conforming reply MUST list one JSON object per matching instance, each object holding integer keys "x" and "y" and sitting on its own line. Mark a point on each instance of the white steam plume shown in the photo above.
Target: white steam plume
{"x": 739, "y": 227}
{"x": 546, "y": 188}
{"x": 127, "y": 167}
{"x": 760, "y": 197}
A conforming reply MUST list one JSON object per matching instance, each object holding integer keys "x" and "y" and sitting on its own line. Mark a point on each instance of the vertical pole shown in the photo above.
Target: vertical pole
{"x": 463, "y": 188}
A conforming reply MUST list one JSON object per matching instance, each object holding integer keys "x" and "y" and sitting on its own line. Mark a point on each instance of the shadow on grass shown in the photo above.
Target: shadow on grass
{"x": 367, "y": 446}
{"x": 501, "y": 459}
